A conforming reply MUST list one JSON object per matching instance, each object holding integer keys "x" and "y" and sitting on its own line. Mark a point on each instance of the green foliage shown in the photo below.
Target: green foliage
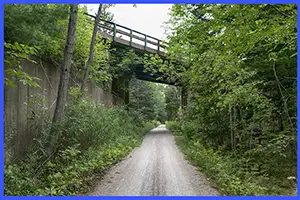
{"x": 221, "y": 171}
{"x": 172, "y": 69}
{"x": 159, "y": 105}
{"x": 67, "y": 174}
{"x": 242, "y": 87}
{"x": 13, "y": 55}
{"x": 230, "y": 171}
{"x": 122, "y": 61}
{"x": 45, "y": 25}
{"x": 150, "y": 125}
{"x": 172, "y": 101}
{"x": 173, "y": 126}
{"x": 141, "y": 98}
{"x": 145, "y": 97}
{"x": 99, "y": 71}
{"x": 148, "y": 99}
{"x": 92, "y": 139}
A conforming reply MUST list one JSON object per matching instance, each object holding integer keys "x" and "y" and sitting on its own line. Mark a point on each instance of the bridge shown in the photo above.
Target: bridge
{"x": 122, "y": 36}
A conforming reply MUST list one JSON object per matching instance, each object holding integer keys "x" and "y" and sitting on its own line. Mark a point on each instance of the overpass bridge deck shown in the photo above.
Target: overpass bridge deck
{"x": 125, "y": 36}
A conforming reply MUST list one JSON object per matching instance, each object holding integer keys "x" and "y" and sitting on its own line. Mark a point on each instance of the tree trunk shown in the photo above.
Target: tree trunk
{"x": 231, "y": 128}
{"x": 90, "y": 59}
{"x": 284, "y": 100}
{"x": 64, "y": 78}
{"x": 234, "y": 127}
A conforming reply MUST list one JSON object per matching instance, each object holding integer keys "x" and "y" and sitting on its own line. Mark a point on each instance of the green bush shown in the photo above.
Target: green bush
{"x": 155, "y": 122}
{"x": 232, "y": 171}
{"x": 173, "y": 126}
{"x": 148, "y": 126}
{"x": 92, "y": 138}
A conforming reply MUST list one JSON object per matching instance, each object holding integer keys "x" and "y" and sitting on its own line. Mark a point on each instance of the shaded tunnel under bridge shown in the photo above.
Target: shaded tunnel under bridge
{"x": 122, "y": 37}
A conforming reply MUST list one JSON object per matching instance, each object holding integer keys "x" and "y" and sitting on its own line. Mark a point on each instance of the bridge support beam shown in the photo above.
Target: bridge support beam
{"x": 120, "y": 88}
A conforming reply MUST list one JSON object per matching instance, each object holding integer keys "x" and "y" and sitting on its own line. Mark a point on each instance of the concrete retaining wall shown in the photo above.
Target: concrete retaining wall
{"x": 23, "y": 104}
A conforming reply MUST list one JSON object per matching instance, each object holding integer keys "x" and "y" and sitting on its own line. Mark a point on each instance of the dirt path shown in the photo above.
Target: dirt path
{"x": 157, "y": 168}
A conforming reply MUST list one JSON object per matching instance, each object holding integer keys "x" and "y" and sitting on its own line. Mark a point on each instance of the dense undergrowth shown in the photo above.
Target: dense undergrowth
{"x": 232, "y": 172}
{"x": 92, "y": 138}
{"x": 239, "y": 123}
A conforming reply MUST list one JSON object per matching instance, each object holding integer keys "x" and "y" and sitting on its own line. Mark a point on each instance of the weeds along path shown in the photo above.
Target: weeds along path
{"x": 156, "y": 168}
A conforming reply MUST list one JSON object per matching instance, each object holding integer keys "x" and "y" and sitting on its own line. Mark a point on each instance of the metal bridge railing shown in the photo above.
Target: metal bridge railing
{"x": 130, "y": 37}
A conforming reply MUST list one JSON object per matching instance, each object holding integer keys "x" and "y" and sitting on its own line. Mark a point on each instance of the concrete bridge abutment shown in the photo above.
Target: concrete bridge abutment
{"x": 120, "y": 88}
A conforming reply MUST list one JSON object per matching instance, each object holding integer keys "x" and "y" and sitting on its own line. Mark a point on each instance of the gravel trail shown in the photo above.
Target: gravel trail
{"x": 156, "y": 168}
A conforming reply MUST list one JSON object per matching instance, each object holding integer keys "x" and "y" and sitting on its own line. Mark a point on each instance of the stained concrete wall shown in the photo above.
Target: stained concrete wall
{"x": 22, "y": 112}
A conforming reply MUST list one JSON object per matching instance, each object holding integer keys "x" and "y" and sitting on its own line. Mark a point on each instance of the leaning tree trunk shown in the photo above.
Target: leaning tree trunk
{"x": 90, "y": 59}
{"x": 64, "y": 78}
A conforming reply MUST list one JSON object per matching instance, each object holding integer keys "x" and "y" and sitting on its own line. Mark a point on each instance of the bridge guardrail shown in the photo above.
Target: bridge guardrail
{"x": 116, "y": 32}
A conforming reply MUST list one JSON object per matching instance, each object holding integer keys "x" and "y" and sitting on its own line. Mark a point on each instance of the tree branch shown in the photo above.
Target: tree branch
{"x": 279, "y": 11}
